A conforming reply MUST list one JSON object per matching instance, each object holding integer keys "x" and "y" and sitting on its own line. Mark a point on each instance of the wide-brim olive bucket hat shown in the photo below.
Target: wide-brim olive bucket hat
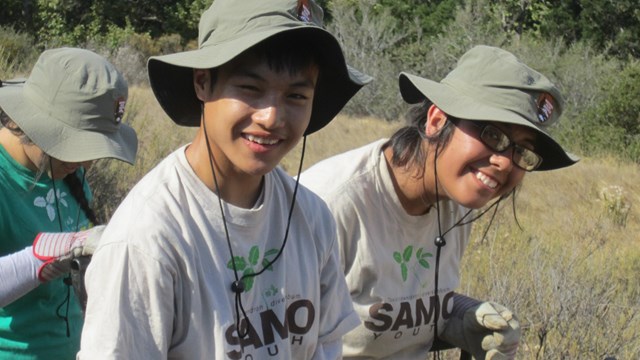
{"x": 71, "y": 107}
{"x": 230, "y": 27}
{"x": 491, "y": 84}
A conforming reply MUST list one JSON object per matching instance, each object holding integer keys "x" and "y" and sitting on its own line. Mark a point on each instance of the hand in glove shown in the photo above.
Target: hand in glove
{"x": 487, "y": 330}
{"x": 57, "y": 250}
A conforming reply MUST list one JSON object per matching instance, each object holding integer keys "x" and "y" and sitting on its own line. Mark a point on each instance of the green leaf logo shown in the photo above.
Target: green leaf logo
{"x": 248, "y": 265}
{"x": 405, "y": 257}
{"x": 420, "y": 257}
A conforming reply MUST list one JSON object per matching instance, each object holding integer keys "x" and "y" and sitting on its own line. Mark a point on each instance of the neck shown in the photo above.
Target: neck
{"x": 234, "y": 187}
{"x": 414, "y": 190}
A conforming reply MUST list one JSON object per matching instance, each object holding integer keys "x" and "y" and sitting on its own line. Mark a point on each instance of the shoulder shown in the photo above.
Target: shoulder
{"x": 311, "y": 214}
{"x": 306, "y": 200}
{"x": 153, "y": 209}
{"x": 332, "y": 176}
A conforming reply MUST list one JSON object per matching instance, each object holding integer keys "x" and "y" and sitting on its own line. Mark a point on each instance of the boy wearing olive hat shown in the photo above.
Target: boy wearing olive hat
{"x": 467, "y": 145}
{"x": 193, "y": 264}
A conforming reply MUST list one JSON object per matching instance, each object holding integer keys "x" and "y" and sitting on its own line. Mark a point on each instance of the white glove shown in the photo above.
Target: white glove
{"x": 57, "y": 250}
{"x": 487, "y": 330}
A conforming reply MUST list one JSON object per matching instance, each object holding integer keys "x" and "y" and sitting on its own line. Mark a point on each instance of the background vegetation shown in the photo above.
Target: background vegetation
{"x": 571, "y": 271}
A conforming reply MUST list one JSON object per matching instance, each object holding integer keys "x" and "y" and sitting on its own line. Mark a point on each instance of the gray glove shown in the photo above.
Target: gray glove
{"x": 57, "y": 250}
{"x": 487, "y": 330}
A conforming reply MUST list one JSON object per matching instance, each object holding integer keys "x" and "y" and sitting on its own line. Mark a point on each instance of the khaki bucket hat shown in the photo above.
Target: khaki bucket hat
{"x": 491, "y": 84}
{"x": 71, "y": 106}
{"x": 228, "y": 28}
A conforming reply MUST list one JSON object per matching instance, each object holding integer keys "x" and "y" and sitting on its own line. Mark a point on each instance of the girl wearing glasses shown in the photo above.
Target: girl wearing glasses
{"x": 404, "y": 205}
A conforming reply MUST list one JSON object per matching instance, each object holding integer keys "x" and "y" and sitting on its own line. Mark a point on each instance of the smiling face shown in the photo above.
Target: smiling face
{"x": 471, "y": 173}
{"x": 254, "y": 114}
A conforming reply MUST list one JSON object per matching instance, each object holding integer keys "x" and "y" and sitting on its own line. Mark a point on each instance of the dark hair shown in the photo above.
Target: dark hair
{"x": 288, "y": 51}
{"x": 6, "y": 122}
{"x": 76, "y": 186}
{"x": 281, "y": 55}
{"x": 407, "y": 142}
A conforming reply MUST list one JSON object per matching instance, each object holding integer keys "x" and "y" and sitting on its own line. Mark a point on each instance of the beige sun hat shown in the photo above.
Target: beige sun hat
{"x": 230, "y": 27}
{"x": 71, "y": 106}
{"x": 491, "y": 84}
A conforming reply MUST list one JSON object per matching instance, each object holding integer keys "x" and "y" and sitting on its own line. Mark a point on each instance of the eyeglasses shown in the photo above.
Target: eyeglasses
{"x": 496, "y": 140}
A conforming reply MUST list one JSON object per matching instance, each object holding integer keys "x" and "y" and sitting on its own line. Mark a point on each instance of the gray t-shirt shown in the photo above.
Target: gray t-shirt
{"x": 159, "y": 283}
{"x": 388, "y": 256}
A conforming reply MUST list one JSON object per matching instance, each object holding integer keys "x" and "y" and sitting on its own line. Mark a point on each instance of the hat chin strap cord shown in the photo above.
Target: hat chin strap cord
{"x": 67, "y": 279}
{"x": 440, "y": 240}
{"x": 238, "y": 286}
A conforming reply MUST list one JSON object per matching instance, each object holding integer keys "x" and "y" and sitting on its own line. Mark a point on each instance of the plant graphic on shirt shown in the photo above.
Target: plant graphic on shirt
{"x": 247, "y": 266}
{"x": 405, "y": 257}
{"x": 49, "y": 202}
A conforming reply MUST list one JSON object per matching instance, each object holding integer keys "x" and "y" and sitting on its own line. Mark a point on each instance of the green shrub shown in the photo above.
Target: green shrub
{"x": 17, "y": 53}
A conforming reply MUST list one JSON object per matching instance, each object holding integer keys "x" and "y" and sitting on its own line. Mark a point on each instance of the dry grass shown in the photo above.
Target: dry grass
{"x": 571, "y": 273}
{"x": 157, "y": 137}
{"x": 342, "y": 134}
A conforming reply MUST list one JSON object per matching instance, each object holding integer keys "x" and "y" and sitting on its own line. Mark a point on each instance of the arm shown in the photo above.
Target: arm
{"x": 49, "y": 258}
{"x": 19, "y": 275}
{"x": 130, "y": 305}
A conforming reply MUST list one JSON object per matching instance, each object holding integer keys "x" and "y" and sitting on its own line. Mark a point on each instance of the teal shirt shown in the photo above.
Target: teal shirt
{"x": 30, "y": 327}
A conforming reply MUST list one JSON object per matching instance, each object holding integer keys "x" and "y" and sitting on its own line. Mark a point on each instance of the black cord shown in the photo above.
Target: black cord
{"x": 440, "y": 241}
{"x": 55, "y": 194}
{"x": 238, "y": 285}
{"x": 65, "y": 317}
{"x": 67, "y": 279}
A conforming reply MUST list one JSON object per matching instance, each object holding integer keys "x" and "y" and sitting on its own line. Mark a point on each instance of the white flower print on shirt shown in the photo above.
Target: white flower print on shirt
{"x": 49, "y": 202}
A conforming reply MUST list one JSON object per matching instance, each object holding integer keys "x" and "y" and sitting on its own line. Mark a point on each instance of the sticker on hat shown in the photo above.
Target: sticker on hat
{"x": 119, "y": 109}
{"x": 304, "y": 14}
{"x": 545, "y": 108}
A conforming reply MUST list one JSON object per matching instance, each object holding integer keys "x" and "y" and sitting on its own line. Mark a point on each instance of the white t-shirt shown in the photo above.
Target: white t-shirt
{"x": 159, "y": 283}
{"x": 388, "y": 256}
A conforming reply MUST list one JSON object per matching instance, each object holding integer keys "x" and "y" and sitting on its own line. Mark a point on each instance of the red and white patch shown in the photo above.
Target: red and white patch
{"x": 304, "y": 14}
{"x": 546, "y": 106}
{"x": 119, "y": 109}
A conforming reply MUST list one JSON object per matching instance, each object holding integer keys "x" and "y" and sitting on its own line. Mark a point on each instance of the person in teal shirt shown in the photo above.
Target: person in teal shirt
{"x": 55, "y": 123}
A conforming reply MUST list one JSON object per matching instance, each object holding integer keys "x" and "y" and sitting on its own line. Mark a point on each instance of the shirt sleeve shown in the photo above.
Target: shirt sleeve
{"x": 130, "y": 304}
{"x": 18, "y": 275}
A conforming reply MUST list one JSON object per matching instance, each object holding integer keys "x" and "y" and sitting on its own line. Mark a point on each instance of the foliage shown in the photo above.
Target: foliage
{"x": 619, "y": 109}
{"x": 158, "y": 136}
{"x": 610, "y": 26}
{"x": 75, "y": 22}
{"x": 613, "y": 26}
{"x": 566, "y": 271}
{"x": 604, "y": 115}
{"x": 16, "y": 53}
{"x": 431, "y": 17}
{"x": 362, "y": 33}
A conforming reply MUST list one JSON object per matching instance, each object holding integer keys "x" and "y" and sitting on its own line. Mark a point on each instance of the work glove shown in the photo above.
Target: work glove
{"x": 486, "y": 330}
{"x": 58, "y": 250}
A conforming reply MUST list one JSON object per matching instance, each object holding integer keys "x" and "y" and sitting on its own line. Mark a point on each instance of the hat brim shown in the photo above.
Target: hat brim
{"x": 415, "y": 89}
{"x": 171, "y": 76}
{"x": 61, "y": 141}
